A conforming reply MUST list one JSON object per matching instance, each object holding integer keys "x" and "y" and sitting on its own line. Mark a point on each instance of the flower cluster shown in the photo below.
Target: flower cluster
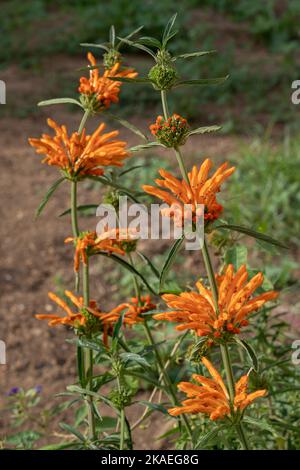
{"x": 200, "y": 190}
{"x": 89, "y": 243}
{"x": 79, "y": 155}
{"x": 197, "y": 311}
{"x": 98, "y": 92}
{"x": 211, "y": 397}
{"x": 91, "y": 319}
{"x": 170, "y": 132}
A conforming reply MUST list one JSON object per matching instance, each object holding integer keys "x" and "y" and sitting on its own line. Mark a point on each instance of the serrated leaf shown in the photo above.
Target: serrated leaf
{"x": 167, "y": 31}
{"x": 70, "y": 429}
{"x": 205, "y": 130}
{"x": 169, "y": 261}
{"x": 208, "y": 437}
{"x": 252, "y": 233}
{"x": 236, "y": 255}
{"x": 149, "y": 263}
{"x": 48, "y": 195}
{"x": 129, "y": 126}
{"x": 60, "y": 101}
{"x": 138, "y": 46}
{"x": 138, "y": 148}
{"x": 149, "y": 41}
{"x": 202, "y": 81}
{"x": 131, "y": 80}
{"x": 194, "y": 54}
{"x": 155, "y": 406}
{"x": 133, "y": 357}
{"x": 100, "y": 46}
{"x": 112, "y": 35}
{"x": 82, "y": 208}
{"x": 258, "y": 423}
{"x": 250, "y": 351}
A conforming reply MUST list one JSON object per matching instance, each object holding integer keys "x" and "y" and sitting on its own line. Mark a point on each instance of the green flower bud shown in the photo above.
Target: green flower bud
{"x": 163, "y": 76}
{"x": 110, "y": 58}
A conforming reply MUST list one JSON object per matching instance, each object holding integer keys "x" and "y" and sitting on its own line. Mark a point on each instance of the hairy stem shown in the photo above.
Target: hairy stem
{"x": 88, "y": 358}
{"x": 212, "y": 281}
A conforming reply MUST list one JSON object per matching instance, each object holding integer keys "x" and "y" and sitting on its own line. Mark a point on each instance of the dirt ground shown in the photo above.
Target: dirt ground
{"x": 33, "y": 254}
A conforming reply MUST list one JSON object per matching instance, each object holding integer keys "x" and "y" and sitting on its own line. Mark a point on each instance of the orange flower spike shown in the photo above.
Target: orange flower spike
{"x": 98, "y": 91}
{"x": 211, "y": 397}
{"x": 197, "y": 312}
{"x": 199, "y": 190}
{"x": 78, "y": 156}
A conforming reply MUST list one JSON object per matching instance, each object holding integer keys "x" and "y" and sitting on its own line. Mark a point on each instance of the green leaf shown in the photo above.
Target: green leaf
{"x": 48, "y": 195}
{"x": 129, "y": 170}
{"x": 155, "y": 406}
{"x": 59, "y": 446}
{"x": 194, "y": 54}
{"x": 149, "y": 263}
{"x": 202, "y": 81}
{"x": 258, "y": 423}
{"x": 169, "y": 433}
{"x": 129, "y": 126}
{"x": 138, "y": 148}
{"x": 130, "y": 268}
{"x": 112, "y": 35}
{"x": 236, "y": 255}
{"x": 204, "y": 130}
{"x": 82, "y": 208}
{"x": 107, "y": 182}
{"x": 149, "y": 41}
{"x": 138, "y": 46}
{"x": 168, "y": 29}
{"x": 250, "y": 351}
{"x": 100, "y": 46}
{"x": 80, "y": 366}
{"x": 252, "y": 233}
{"x": 70, "y": 429}
{"x": 118, "y": 326}
{"x": 60, "y": 101}
{"x": 133, "y": 357}
{"x": 169, "y": 261}
{"x": 130, "y": 80}
{"x": 208, "y": 437}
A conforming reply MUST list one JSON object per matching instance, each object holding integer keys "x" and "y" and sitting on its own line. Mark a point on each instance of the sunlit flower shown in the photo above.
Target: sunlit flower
{"x": 80, "y": 154}
{"x": 211, "y": 396}
{"x": 196, "y": 311}
{"x": 80, "y": 319}
{"x": 92, "y": 318}
{"x": 131, "y": 311}
{"x": 98, "y": 91}
{"x": 171, "y": 132}
{"x": 200, "y": 190}
{"x": 88, "y": 243}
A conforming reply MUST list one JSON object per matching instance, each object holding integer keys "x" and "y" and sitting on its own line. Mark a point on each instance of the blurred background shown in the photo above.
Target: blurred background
{"x": 41, "y": 57}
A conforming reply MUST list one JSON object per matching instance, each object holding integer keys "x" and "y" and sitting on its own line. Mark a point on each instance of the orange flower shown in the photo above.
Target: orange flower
{"x": 200, "y": 190}
{"x": 76, "y": 320}
{"x": 99, "y": 87}
{"x": 131, "y": 312}
{"x": 80, "y": 154}
{"x": 211, "y": 396}
{"x": 88, "y": 243}
{"x": 171, "y": 132}
{"x": 92, "y": 319}
{"x": 196, "y": 311}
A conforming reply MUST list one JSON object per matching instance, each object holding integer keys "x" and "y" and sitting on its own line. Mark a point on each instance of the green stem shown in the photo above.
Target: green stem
{"x": 122, "y": 418}
{"x": 164, "y": 102}
{"x": 74, "y": 219}
{"x": 88, "y": 359}
{"x": 83, "y": 121}
{"x": 165, "y": 376}
{"x": 181, "y": 164}
{"x": 213, "y": 285}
